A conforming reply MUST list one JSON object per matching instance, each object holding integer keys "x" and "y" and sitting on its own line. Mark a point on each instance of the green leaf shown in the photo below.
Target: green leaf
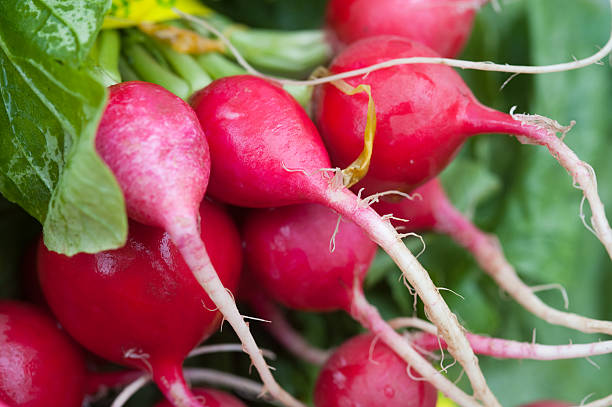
{"x": 51, "y": 109}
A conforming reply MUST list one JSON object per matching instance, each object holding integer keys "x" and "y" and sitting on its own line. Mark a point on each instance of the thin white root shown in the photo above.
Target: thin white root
{"x": 186, "y": 236}
{"x": 383, "y": 233}
{"x": 542, "y": 131}
{"x": 502, "y": 348}
{"x": 245, "y": 387}
{"x": 604, "y": 402}
{"x": 481, "y": 66}
{"x": 226, "y": 347}
{"x": 130, "y": 390}
{"x": 488, "y": 253}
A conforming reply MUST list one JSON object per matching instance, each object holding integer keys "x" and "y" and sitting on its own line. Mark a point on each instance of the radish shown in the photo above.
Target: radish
{"x": 269, "y": 154}
{"x": 424, "y": 114}
{"x": 154, "y": 145}
{"x": 211, "y": 398}
{"x": 433, "y": 211}
{"x": 140, "y": 305}
{"x": 40, "y": 366}
{"x": 365, "y": 372}
{"x": 442, "y": 25}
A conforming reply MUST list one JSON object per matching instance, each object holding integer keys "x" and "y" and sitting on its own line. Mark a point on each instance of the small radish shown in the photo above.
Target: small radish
{"x": 153, "y": 143}
{"x": 433, "y": 211}
{"x": 442, "y": 25}
{"x": 364, "y": 371}
{"x": 424, "y": 114}
{"x": 140, "y": 305}
{"x": 270, "y": 154}
{"x": 211, "y": 398}
{"x": 40, "y": 366}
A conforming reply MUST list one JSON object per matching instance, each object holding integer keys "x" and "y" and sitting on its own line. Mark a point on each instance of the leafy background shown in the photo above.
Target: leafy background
{"x": 518, "y": 192}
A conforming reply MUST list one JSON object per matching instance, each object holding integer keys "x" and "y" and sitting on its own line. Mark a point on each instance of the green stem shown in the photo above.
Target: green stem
{"x": 187, "y": 67}
{"x": 219, "y": 66}
{"x": 151, "y": 71}
{"x": 109, "y": 45}
{"x": 127, "y": 73}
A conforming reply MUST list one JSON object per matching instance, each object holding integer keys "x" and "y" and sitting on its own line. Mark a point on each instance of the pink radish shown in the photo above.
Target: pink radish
{"x": 154, "y": 145}
{"x": 366, "y": 372}
{"x": 40, "y": 366}
{"x": 433, "y": 211}
{"x": 270, "y": 154}
{"x": 442, "y": 25}
{"x": 424, "y": 114}
{"x": 140, "y": 305}
{"x": 211, "y": 398}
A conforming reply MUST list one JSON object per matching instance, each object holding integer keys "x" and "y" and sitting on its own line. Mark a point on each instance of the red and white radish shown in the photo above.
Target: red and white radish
{"x": 270, "y": 154}
{"x": 40, "y": 366}
{"x": 154, "y": 145}
{"x": 364, "y": 371}
{"x": 442, "y": 25}
{"x": 140, "y": 305}
{"x": 425, "y": 112}
{"x": 433, "y": 211}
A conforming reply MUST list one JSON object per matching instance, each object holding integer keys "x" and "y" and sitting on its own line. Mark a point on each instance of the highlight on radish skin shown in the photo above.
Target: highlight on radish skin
{"x": 273, "y": 156}
{"x": 442, "y": 25}
{"x": 164, "y": 180}
{"x": 140, "y": 305}
{"x": 40, "y": 366}
{"x": 421, "y": 127}
{"x": 365, "y": 371}
{"x": 434, "y": 212}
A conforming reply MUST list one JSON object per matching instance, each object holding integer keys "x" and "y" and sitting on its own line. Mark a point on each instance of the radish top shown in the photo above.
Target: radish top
{"x": 364, "y": 371}
{"x": 40, "y": 366}
{"x": 153, "y": 143}
{"x": 443, "y": 25}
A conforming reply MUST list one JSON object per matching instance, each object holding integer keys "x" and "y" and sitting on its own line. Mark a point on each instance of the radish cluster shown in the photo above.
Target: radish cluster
{"x": 308, "y": 240}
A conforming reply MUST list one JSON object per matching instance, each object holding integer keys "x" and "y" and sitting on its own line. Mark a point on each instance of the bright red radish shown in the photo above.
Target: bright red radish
{"x": 140, "y": 305}
{"x": 211, "y": 398}
{"x": 154, "y": 145}
{"x": 442, "y": 25}
{"x": 364, "y": 371}
{"x": 433, "y": 211}
{"x": 425, "y": 112}
{"x": 40, "y": 366}
{"x": 270, "y": 154}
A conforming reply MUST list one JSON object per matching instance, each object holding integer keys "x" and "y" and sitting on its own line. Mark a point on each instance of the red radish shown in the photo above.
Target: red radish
{"x": 442, "y": 25}
{"x": 153, "y": 143}
{"x": 211, "y": 398}
{"x": 270, "y": 154}
{"x": 433, "y": 211}
{"x": 40, "y": 366}
{"x": 140, "y": 305}
{"x": 364, "y": 371}
{"x": 424, "y": 114}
